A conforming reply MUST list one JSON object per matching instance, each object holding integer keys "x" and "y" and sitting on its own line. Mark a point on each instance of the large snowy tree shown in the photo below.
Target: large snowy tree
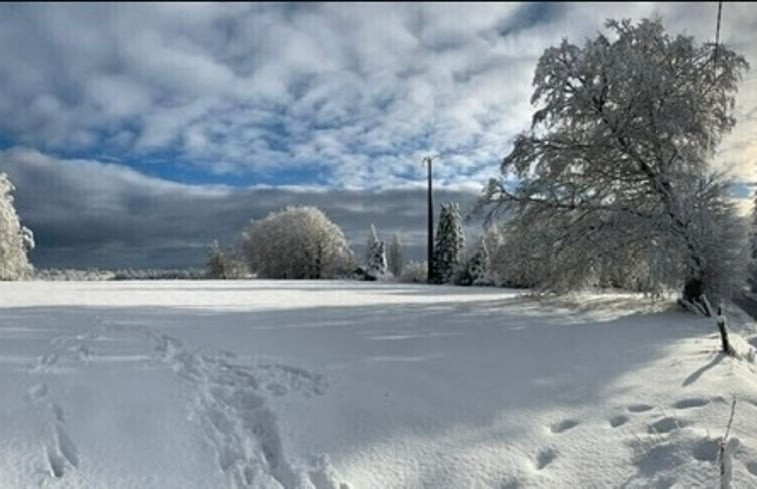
{"x": 15, "y": 239}
{"x": 616, "y": 166}
{"x": 449, "y": 247}
{"x": 297, "y": 243}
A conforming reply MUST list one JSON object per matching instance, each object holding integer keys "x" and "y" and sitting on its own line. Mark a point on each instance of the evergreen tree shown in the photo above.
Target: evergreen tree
{"x": 395, "y": 260}
{"x": 376, "y": 267}
{"x": 450, "y": 244}
{"x": 478, "y": 266}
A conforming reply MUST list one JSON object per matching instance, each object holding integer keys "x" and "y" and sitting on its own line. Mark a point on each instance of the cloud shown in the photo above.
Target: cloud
{"x": 358, "y": 91}
{"x": 87, "y": 213}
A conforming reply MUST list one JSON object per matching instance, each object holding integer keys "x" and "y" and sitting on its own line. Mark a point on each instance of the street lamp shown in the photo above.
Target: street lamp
{"x": 428, "y": 160}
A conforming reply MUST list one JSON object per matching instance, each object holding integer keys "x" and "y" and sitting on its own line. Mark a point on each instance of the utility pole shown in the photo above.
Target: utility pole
{"x": 428, "y": 160}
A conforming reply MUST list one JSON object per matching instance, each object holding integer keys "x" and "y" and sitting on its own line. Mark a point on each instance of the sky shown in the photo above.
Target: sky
{"x": 137, "y": 133}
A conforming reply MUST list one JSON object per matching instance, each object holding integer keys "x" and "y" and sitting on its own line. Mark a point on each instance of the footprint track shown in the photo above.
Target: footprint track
{"x": 618, "y": 420}
{"x": 666, "y": 425}
{"x": 564, "y": 425}
{"x": 60, "y": 450}
{"x": 693, "y": 402}
{"x": 545, "y": 457}
{"x": 640, "y": 408}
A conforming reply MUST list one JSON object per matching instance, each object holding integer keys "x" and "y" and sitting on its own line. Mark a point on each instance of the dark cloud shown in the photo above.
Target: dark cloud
{"x": 92, "y": 214}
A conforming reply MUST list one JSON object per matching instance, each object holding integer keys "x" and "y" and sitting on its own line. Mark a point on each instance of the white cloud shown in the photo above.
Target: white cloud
{"x": 359, "y": 90}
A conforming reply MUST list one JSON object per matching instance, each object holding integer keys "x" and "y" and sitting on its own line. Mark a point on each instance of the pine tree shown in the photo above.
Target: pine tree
{"x": 375, "y": 257}
{"x": 478, "y": 266}
{"x": 395, "y": 260}
{"x": 450, "y": 244}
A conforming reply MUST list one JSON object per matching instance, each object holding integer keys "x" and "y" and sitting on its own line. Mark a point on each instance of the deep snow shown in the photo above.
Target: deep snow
{"x": 366, "y": 385}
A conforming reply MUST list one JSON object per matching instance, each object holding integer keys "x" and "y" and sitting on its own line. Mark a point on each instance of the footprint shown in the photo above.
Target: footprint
{"x": 666, "y": 483}
{"x": 36, "y": 392}
{"x": 706, "y": 451}
{"x": 752, "y": 468}
{"x": 691, "y": 403}
{"x": 618, "y": 420}
{"x": 666, "y": 425}
{"x": 564, "y": 425}
{"x": 60, "y": 416}
{"x": 66, "y": 446}
{"x": 511, "y": 484}
{"x": 545, "y": 457}
{"x": 46, "y": 360}
{"x": 56, "y": 462}
{"x": 639, "y": 408}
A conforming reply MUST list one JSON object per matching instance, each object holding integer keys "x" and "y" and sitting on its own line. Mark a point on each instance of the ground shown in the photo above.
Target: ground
{"x": 270, "y": 384}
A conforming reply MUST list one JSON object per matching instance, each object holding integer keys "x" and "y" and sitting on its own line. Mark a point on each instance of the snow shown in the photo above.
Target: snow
{"x": 329, "y": 384}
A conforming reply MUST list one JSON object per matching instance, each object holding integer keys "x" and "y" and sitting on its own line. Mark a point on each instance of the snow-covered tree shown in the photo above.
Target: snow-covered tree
{"x": 224, "y": 263}
{"x": 449, "y": 247}
{"x": 15, "y": 239}
{"x": 297, "y": 243}
{"x": 376, "y": 268}
{"x": 478, "y": 265}
{"x": 616, "y": 165}
{"x": 394, "y": 258}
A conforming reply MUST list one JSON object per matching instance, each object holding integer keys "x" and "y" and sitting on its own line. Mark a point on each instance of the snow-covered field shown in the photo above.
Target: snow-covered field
{"x": 339, "y": 384}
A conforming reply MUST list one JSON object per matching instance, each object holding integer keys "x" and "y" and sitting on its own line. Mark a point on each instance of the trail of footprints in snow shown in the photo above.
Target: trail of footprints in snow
{"x": 60, "y": 450}
{"x": 232, "y": 408}
{"x": 705, "y": 451}
{"x": 665, "y": 425}
{"x": 77, "y": 347}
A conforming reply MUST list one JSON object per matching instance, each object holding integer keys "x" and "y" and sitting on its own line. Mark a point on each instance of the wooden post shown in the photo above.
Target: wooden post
{"x": 430, "y": 230}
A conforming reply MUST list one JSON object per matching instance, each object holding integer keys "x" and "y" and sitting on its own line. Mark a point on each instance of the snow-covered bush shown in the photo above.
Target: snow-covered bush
{"x": 415, "y": 272}
{"x": 449, "y": 247}
{"x": 15, "y": 239}
{"x": 375, "y": 257}
{"x": 297, "y": 243}
{"x": 224, "y": 263}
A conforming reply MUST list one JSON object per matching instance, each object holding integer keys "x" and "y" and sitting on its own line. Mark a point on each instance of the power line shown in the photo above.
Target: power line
{"x": 715, "y": 63}
{"x": 717, "y": 35}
